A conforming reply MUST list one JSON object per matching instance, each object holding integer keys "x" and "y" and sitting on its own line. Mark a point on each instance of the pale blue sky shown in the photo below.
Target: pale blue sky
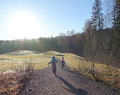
{"x": 49, "y": 17}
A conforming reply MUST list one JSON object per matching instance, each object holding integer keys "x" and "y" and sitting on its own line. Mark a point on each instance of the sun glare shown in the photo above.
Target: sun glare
{"x": 24, "y": 26}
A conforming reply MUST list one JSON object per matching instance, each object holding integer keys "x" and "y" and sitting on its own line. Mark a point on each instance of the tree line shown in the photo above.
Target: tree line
{"x": 99, "y": 41}
{"x": 103, "y": 33}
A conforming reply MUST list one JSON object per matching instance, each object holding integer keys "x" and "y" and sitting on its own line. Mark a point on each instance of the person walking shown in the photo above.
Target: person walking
{"x": 62, "y": 63}
{"x": 53, "y": 61}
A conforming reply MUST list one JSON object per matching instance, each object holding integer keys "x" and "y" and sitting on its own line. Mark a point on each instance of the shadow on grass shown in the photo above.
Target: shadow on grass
{"x": 74, "y": 72}
{"x": 59, "y": 55}
{"x": 71, "y": 88}
{"x": 80, "y": 58}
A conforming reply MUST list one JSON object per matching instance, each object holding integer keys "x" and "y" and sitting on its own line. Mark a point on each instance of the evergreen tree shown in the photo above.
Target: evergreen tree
{"x": 116, "y": 28}
{"x": 116, "y": 14}
{"x": 97, "y": 15}
{"x": 96, "y": 49}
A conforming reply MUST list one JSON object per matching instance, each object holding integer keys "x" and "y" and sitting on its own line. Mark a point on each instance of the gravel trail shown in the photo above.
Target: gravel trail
{"x": 66, "y": 82}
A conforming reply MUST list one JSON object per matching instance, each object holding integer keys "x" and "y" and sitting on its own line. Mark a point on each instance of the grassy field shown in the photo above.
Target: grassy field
{"x": 107, "y": 74}
{"x": 13, "y": 62}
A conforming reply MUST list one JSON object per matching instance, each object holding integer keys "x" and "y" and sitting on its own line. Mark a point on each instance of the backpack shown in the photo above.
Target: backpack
{"x": 53, "y": 62}
{"x": 62, "y": 61}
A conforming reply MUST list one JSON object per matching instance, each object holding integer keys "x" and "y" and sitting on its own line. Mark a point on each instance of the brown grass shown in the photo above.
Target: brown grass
{"x": 10, "y": 83}
{"x": 102, "y": 73}
{"x": 13, "y": 83}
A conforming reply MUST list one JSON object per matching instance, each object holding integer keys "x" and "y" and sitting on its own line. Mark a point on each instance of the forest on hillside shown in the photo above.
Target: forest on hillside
{"x": 99, "y": 41}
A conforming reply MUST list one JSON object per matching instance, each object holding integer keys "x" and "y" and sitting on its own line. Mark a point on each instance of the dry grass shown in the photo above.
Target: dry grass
{"x": 102, "y": 73}
{"x": 13, "y": 82}
{"x": 13, "y": 62}
{"x": 106, "y": 74}
{"x": 10, "y": 83}
{"x": 15, "y": 70}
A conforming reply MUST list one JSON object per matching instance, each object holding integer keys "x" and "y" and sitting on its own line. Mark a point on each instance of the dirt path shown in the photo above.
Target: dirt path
{"x": 65, "y": 83}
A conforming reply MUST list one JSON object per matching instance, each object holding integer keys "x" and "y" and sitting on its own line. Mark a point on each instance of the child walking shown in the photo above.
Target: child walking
{"x": 53, "y": 61}
{"x": 62, "y": 63}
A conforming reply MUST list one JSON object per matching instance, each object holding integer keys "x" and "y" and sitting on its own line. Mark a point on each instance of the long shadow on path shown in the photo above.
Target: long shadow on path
{"x": 72, "y": 89}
